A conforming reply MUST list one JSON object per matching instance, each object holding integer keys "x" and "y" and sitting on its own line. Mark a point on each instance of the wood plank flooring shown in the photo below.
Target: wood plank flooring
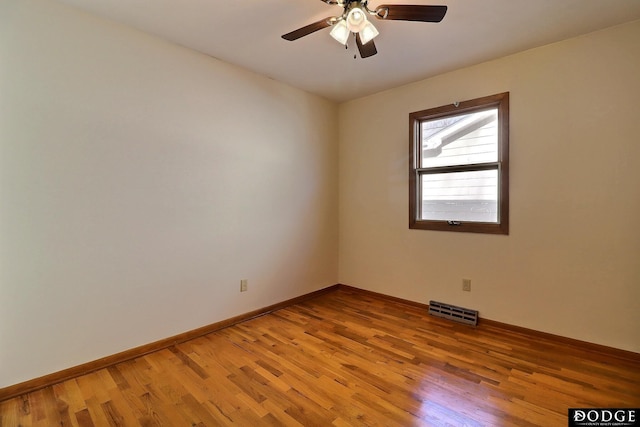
{"x": 343, "y": 359}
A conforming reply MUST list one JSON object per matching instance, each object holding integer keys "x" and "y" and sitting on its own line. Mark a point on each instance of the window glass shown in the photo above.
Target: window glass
{"x": 465, "y": 139}
{"x": 460, "y": 196}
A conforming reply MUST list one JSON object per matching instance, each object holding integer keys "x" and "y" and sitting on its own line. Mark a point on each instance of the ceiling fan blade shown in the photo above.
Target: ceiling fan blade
{"x": 405, "y": 12}
{"x": 306, "y": 30}
{"x": 366, "y": 50}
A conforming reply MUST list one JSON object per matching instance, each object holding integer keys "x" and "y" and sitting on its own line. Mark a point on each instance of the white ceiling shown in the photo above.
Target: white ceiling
{"x": 247, "y": 33}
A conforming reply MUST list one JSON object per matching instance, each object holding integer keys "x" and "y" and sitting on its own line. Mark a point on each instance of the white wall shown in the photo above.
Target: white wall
{"x": 139, "y": 182}
{"x": 571, "y": 264}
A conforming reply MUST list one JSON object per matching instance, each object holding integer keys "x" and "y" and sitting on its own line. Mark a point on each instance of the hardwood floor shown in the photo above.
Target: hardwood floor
{"x": 343, "y": 359}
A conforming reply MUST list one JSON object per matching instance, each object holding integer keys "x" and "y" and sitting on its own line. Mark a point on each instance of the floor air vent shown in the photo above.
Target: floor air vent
{"x": 451, "y": 312}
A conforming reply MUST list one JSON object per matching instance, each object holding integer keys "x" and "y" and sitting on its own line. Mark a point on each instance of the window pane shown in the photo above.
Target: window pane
{"x": 460, "y": 196}
{"x": 464, "y": 139}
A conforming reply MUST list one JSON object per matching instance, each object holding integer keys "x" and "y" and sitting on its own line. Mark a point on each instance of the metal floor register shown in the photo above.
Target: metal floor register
{"x": 451, "y": 312}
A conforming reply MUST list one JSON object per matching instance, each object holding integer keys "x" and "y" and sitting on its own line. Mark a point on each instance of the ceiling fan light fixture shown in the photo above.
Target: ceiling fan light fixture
{"x": 356, "y": 20}
{"x": 340, "y": 32}
{"x": 368, "y": 33}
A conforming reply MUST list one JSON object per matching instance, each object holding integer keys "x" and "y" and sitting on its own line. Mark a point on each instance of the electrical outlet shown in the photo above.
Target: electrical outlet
{"x": 244, "y": 284}
{"x": 466, "y": 285}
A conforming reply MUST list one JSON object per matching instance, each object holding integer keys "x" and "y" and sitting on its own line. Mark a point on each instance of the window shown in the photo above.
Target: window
{"x": 459, "y": 166}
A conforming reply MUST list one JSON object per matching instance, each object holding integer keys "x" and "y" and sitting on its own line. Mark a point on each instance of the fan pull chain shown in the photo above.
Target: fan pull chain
{"x": 346, "y": 47}
{"x": 354, "y": 38}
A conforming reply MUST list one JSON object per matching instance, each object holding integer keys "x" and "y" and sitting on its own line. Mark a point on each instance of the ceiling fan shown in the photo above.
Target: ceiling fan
{"x": 354, "y": 20}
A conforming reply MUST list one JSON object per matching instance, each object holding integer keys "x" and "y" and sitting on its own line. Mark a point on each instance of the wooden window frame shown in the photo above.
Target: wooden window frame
{"x": 499, "y": 101}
